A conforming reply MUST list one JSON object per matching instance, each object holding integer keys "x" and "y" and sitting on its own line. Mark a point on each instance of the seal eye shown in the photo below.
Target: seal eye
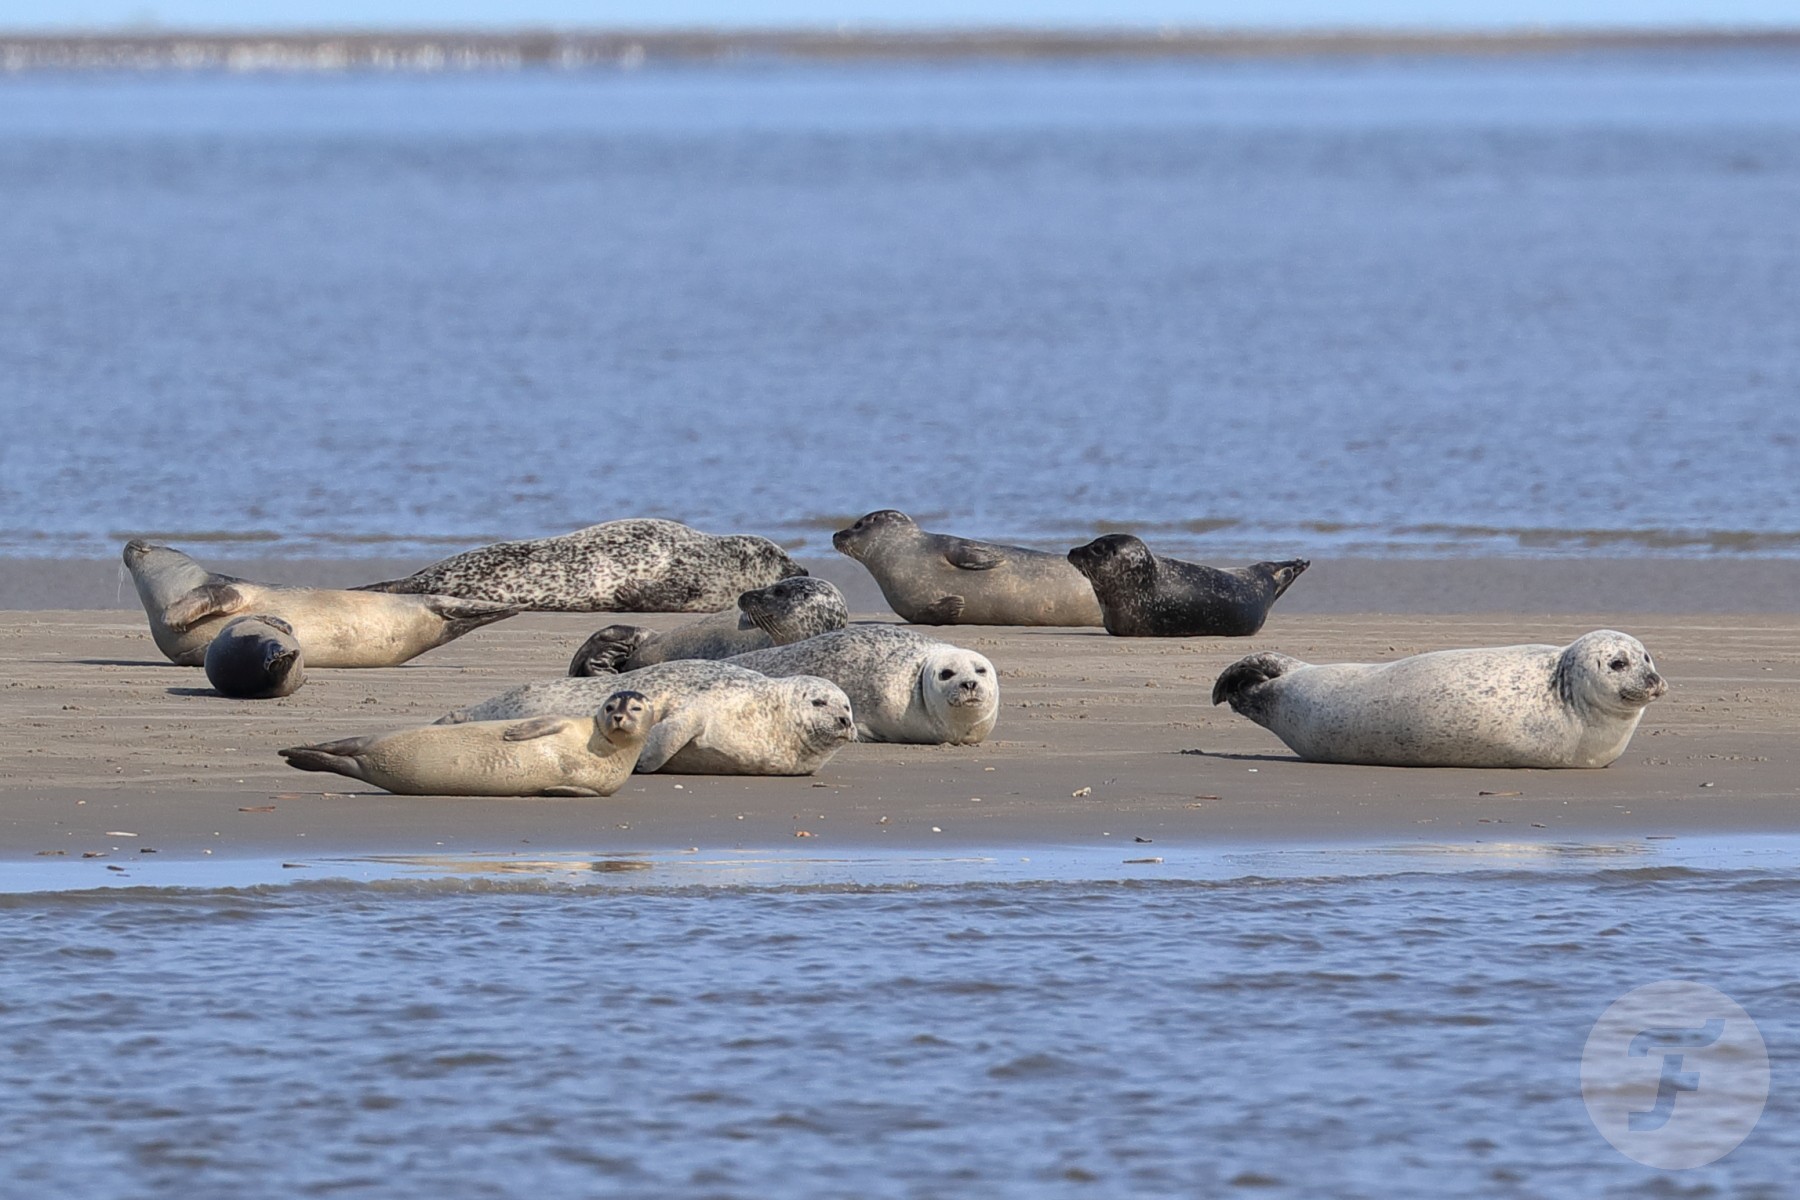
{"x": 1619, "y": 664}
{"x": 946, "y": 673}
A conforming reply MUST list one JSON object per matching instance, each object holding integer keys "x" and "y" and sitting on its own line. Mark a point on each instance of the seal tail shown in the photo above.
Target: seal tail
{"x": 340, "y": 758}
{"x": 1247, "y": 672}
{"x": 607, "y": 652}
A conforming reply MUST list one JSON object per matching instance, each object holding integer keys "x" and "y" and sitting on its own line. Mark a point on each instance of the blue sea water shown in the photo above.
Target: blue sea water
{"x": 1394, "y": 306}
{"x": 1400, "y": 1023}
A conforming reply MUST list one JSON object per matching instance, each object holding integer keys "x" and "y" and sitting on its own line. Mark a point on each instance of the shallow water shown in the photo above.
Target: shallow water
{"x": 1393, "y": 306}
{"x": 1354, "y": 1022}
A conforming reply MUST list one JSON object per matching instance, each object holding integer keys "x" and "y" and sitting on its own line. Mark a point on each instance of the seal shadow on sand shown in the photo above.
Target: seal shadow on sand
{"x": 103, "y": 662}
{"x": 1281, "y": 758}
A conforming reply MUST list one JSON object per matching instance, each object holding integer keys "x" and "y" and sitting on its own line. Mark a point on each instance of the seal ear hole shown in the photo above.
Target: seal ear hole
{"x": 818, "y": 704}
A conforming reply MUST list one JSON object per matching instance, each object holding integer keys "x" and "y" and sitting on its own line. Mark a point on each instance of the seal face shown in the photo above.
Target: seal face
{"x": 712, "y": 718}
{"x": 903, "y": 686}
{"x": 937, "y": 579}
{"x": 1505, "y": 706}
{"x": 788, "y": 610}
{"x": 255, "y": 658}
{"x": 187, "y": 605}
{"x": 1144, "y": 595}
{"x": 544, "y": 756}
{"x": 639, "y": 565}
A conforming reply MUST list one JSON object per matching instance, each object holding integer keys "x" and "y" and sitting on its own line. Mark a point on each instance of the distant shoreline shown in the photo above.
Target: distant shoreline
{"x": 466, "y": 50}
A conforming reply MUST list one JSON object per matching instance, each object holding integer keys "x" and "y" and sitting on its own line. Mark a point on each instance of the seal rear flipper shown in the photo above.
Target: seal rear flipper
{"x": 337, "y": 757}
{"x": 462, "y": 616}
{"x": 1284, "y": 573}
{"x": 943, "y": 611}
{"x": 608, "y": 650}
{"x": 1247, "y": 672}
{"x": 215, "y": 599}
{"x": 537, "y": 727}
{"x": 399, "y": 586}
{"x": 973, "y": 556}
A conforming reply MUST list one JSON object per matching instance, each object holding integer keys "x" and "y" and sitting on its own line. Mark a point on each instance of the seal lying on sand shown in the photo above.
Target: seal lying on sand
{"x": 1144, "y": 595}
{"x": 712, "y": 718}
{"x": 936, "y": 579}
{"x": 256, "y": 658}
{"x": 187, "y": 605}
{"x": 621, "y": 566}
{"x": 789, "y": 610}
{"x": 1506, "y": 706}
{"x": 545, "y": 756}
{"x": 903, "y": 687}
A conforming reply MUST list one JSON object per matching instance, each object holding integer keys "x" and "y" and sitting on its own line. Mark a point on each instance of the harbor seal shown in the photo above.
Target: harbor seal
{"x": 788, "y": 610}
{"x": 903, "y": 686}
{"x": 544, "y": 756}
{"x": 937, "y": 579}
{"x": 255, "y": 658}
{"x": 1144, "y": 595}
{"x": 620, "y": 566}
{"x": 1505, "y": 706}
{"x": 712, "y": 718}
{"x": 188, "y": 605}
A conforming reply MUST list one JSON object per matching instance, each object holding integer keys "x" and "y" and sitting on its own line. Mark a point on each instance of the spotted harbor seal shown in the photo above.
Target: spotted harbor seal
{"x": 788, "y": 610}
{"x": 712, "y": 718}
{"x": 620, "y": 566}
{"x": 544, "y": 756}
{"x": 188, "y": 605}
{"x": 937, "y": 579}
{"x": 1144, "y": 595}
{"x": 903, "y": 686}
{"x": 1505, "y": 706}
{"x": 255, "y": 658}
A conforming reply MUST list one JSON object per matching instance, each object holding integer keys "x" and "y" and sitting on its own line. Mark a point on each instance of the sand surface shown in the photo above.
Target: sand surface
{"x": 100, "y": 737}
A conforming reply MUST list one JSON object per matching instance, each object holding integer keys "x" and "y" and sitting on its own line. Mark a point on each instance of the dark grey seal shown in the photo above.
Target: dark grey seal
{"x": 256, "y": 657}
{"x": 620, "y": 566}
{"x": 937, "y": 579}
{"x": 1144, "y": 595}
{"x": 789, "y": 610}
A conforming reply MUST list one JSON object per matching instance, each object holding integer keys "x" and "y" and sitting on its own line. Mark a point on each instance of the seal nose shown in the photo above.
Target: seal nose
{"x": 1656, "y": 684}
{"x": 970, "y": 685}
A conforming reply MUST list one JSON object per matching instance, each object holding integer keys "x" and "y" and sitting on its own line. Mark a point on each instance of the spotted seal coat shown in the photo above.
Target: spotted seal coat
{"x": 788, "y": 610}
{"x": 712, "y": 718}
{"x": 1145, "y": 595}
{"x": 638, "y": 565}
{"x": 543, "y": 756}
{"x": 255, "y": 657}
{"x": 1505, "y": 706}
{"x": 938, "y": 579}
{"x": 903, "y": 686}
{"x": 188, "y": 605}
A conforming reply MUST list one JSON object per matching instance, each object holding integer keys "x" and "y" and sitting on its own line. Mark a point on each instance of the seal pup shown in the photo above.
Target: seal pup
{"x": 1144, "y": 595}
{"x": 545, "y": 756}
{"x": 639, "y": 565}
{"x": 712, "y": 718}
{"x": 937, "y": 579}
{"x": 788, "y": 610}
{"x": 255, "y": 658}
{"x": 188, "y": 605}
{"x": 1504, "y": 706}
{"x": 903, "y": 686}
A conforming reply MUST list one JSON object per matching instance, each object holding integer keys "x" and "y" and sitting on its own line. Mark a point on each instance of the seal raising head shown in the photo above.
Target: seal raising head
{"x": 1145, "y": 595}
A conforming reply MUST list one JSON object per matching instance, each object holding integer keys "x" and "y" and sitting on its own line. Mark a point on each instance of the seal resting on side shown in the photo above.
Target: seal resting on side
{"x": 545, "y": 756}
{"x": 789, "y": 610}
{"x": 712, "y": 718}
{"x": 639, "y": 565}
{"x": 1144, "y": 595}
{"x": 1505, "y": 706}
{"x": 903, "y": 686}
{"x": 937, "y": 579}
{"x": 256, "y": 658}
{"x": 188, "y": 605}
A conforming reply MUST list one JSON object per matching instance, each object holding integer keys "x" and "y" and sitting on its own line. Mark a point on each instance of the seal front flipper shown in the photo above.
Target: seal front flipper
{"x": 214, "y": 599}
{"x": 944, "y": 611}
{"x": 537, "y": 727}
{"x": 972, "y": 556}
{"x": 666, "y": 739}
{"x": 608, "y": 650}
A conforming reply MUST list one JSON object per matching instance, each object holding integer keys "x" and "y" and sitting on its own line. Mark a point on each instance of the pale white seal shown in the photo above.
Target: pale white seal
{"x": 788, "y": 610}
{"x": 544, "y": 756}
{"x": 187, "y": 605}
{"x": 1505, "y": 706}
{"x": 637, "y": 565}
{"x": 256, "y": 658}
{"x": 903, "y": 687}
{"x": 712, "y": 718}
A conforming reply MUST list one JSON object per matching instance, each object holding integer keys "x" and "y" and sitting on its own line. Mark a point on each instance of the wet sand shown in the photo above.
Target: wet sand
{"x": 1102, "y": 741}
